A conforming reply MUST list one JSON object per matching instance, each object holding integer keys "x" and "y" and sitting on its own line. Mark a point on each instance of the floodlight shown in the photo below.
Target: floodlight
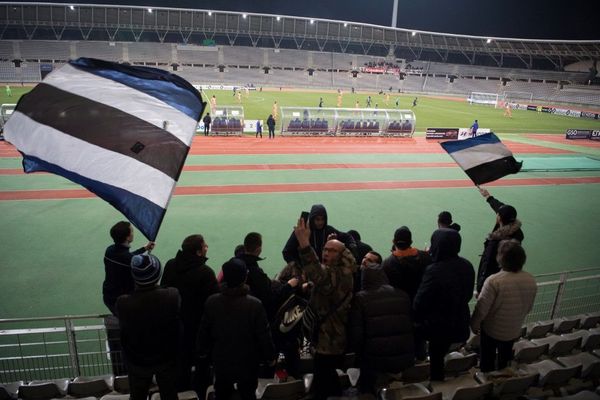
{"x": 414, "y": 33}
{"x": 489, "y": 41}
{"x": 312, "y": 21}
{"x": 72, "y": 8}
{"x": 278, "y": 18}
{"x": 210, "y": 13}
{"x": 150, "y": 10}
{"x": 244, "y": 16}
{"x": 345, "y": 24}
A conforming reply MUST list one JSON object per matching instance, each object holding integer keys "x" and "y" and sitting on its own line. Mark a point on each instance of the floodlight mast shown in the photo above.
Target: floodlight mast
{"x": 395, "y": 14}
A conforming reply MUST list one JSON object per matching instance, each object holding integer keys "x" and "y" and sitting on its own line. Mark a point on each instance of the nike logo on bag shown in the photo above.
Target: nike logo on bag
{"x": 290, "y": 318}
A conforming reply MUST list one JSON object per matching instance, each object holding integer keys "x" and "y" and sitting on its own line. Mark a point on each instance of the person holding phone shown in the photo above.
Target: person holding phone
{"x": 320, "y": 233}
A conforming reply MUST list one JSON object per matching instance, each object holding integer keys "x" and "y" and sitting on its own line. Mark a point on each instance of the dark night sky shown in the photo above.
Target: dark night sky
{"x": 536, "y": 19}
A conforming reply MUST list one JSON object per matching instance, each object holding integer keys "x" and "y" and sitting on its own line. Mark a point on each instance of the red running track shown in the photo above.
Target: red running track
{"x": 320, "y": 145}
{"x": 279, "y": 167}
{"x": 305, "y": 187}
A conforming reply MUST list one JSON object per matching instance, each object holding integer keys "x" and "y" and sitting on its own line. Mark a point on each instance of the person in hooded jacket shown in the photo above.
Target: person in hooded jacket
{"x": 441, "y": 305}
{"x": 445, "y": 221}
{"x": 234, "y": 335}
{"x": 507, "y": 227}
{"x": 320, "y": 233}
{"x": 196, "y": 282}
{"x": 380, "y": 326}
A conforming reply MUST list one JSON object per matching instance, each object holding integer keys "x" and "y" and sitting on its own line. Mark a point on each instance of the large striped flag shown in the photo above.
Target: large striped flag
{"x": 123, "y": 132}
{"x": 483, "y": 158}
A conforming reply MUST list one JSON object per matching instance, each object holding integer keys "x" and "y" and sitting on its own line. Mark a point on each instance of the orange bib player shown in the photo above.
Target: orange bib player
{"x": 507, "y": 110}
{"x": 275, "y": 110}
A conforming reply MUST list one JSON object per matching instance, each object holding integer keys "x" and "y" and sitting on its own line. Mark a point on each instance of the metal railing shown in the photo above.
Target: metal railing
{"x": 59, "y": 347}
{"x": 87, "y": 345}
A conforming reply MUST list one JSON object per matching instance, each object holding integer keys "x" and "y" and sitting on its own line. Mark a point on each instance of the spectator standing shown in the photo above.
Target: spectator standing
{"x": 445, "y": 221}
{"x": 504, "y": 302}
{"x": 507, "y": 227}
{"x": 320, "y": 232}
{"x": 150, "y": 330}
{"x": 441, "y": 305}
{"x": 330, "y": 301}
{"x": 258, "y": 128}
{"x": 235, "y": 335}
{"x": 207, "y": 121}
{"x": 118, "y": 281}
{"x": 406, "y": 265}
{"x": 380, "y": 327}
{"x": 117, "y": 264}
{"x": 271, "y": 126}
{"x": 195, "y": 281}
{"x": 415, "y": 102}
{"x": 474, "y": 128}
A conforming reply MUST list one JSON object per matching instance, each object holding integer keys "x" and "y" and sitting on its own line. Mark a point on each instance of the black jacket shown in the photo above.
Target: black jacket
{"x": 318, "y": 237}
{"x": 207, "y": 120}
{"x": 406, "y": 272}
{"x": 259, "y": 283}
{"x": 234, "y": 332}
{"x": 195, "y": 281}
{"x": 117, "y": 278}
{"x": 150, "y": 325}
{"x": 380, "y": 326}
{"x": 271, "y": 122}
{"x": 488, "y": 264}
{"x": 441, "y": 305}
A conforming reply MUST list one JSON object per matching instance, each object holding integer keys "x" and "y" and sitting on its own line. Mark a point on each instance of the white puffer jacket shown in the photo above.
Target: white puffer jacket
{"x": 504, "y": 302}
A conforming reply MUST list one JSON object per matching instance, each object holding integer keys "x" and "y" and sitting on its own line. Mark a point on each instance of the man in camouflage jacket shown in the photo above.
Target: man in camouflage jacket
{"x": 330, "y": 298}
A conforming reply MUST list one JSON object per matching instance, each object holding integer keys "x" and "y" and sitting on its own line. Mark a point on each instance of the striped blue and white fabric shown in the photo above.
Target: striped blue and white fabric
{"x": 483, "y": 158}
{"x": 122, "y": 132}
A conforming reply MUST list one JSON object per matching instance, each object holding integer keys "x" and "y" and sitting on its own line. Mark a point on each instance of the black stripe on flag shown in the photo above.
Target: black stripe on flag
{"x": 490, "y": 171}
{"x": 105, "y": 126}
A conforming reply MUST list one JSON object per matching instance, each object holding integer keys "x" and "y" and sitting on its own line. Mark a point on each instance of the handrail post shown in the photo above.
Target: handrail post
{"x": 72, "y": 341}
{"x": 559, "y": 294}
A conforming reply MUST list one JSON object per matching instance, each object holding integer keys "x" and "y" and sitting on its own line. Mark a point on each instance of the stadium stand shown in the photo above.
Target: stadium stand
{"x": 112, "y": 51}
{"x": 52, "y": 50}
{"x": 6, "y": 50}
{"x": 149, "y": 52}
{"x": 198, "y": 55}
{"x": 243, "y": 55}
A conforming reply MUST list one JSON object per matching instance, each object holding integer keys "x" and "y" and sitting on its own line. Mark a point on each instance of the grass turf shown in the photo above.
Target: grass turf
{"x": 51, "y": 258}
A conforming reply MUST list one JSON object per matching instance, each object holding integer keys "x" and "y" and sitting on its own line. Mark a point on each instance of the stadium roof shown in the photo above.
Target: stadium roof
{"x": 30, "y": 20}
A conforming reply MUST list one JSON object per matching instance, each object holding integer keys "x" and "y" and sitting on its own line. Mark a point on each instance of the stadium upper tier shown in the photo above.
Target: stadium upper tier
{"x": 186, "y": 26}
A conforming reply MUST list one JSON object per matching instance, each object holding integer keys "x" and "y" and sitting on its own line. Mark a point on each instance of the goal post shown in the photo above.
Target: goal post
{"x": 483, "y": 98}
{"x": 515, "y": 97}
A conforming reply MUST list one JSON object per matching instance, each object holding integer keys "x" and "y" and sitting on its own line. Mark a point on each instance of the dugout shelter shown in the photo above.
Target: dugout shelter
{"x": 227, "y": 121}
{"x": 320, "y": 121}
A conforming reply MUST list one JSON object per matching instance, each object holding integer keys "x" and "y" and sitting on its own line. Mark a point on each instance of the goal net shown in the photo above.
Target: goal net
{"x": 515, "y": 97}
{"x": 483, "y": 98}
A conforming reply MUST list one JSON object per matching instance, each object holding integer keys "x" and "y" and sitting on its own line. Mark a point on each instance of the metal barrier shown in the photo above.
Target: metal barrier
{"x": 59, "y": 347}
{"x": 88, "y": 345}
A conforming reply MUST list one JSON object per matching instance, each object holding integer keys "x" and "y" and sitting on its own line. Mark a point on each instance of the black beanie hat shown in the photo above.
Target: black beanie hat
{"x": 403, "y": 236}
{"x": 234, "y": 272}
{"x": 507, "y": 214}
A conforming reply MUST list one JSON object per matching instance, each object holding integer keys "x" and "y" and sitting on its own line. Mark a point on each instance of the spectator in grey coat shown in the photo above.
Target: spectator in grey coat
{"x": 504, "y": 302}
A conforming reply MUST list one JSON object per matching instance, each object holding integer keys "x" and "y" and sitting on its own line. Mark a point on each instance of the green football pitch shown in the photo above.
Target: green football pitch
{"x": 52, "y": 249}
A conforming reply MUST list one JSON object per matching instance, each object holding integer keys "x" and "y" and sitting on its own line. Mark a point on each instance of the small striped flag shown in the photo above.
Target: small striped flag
{"x": 484, "y": 158}
{"x": 123, "y": 132}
